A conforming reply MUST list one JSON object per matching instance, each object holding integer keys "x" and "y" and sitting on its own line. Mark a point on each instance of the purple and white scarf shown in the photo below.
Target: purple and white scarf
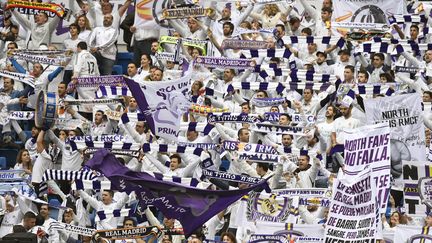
{"x": 232, "y": 118}
{"x": 21, "y": 77}
{"x": 96, "y": 81}
{"x": 278, "y": 129}
{"x": 244, "y": 44}
{"x": 223, "y": 62}
{"x": 326, "y": 40}
{"x": 112, "y": 92}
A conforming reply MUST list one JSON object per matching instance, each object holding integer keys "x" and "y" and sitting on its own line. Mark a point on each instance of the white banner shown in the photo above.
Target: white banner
{"x": 295, "y": 232}
{"x": 370, "y": 146}
{"x": 417, "y": 193}
{"x": 407, "y": 136}
{"x": 353, "y": 213}
{"x": 366, "y": 11}
{"x": 412, "y": 234}
{"x": 163, "y": 104}
{"x": 144, "y": 15}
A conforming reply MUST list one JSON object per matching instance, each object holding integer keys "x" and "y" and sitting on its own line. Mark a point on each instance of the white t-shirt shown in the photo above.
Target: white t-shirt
{"x": 341, "y": 124}
{"x": 42, "y": 163}
{"x": 325, "y": 129}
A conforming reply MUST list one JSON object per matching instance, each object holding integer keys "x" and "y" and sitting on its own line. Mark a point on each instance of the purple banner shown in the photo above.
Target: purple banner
{"x": 191, "y": 206}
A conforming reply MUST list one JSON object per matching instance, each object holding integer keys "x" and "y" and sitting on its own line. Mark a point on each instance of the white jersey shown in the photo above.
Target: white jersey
{"x": 86, "y": 64}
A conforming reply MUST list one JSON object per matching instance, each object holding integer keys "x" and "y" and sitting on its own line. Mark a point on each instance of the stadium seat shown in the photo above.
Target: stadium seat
{"x": 117, "y": 70}
{"x": 28, "y": 134}
{"x": 11, "y": 155}
{"x": 225, "y": 164}
{"x": 123, "y": 59}
{"x": 3, "y": 163}
{"x": 53, "y": 213}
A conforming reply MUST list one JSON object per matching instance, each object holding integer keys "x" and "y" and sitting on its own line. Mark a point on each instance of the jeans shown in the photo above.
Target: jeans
{"x": 105, "y": 64}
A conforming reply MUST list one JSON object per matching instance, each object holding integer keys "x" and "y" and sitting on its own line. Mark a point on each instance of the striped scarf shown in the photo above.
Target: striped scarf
{"x": 230, "y": 177}
{"x": 244, "y": 44}
{"x": 266, "y": 102}
{"x": 426, "y": 106}
{"x": 204, "y": 146}
{"x": 223, "y": 62}
{"x": 110, "y": 101}
{"x": 76, "y": 145}
{"x": 368, "y": 89}
{"x": 374, "y": 47}
{"x": 191, "y": 182}
{"x": 408, "y": 18}
{"x": 212, "y": 92}
{"x": 239, "y": 31}
{"x": 41, "y": 52}
{"x": 116, "y": 213}
{"x": 279, "y": 87}
{"x": 56, "y": 61}
{"x": 299, "y": 152}
{"x": 295, "y": 75}
{"x": 413, "y": 47}
{"x": 96, "y": 81}
{"x": 281, "y": 53}
{"x": 59, "y": 226}
{"x": 307, "y": 85}
{"x": 228, "y": 117}
{"x": 21, "y": 77}
{"x": 65, "y": 175}
{"x": 132, "y": 117}
{"x": 21, "y": 115}
{"x": 93, "y": 185}
{"x": 278, "y": 129}
{"x": 197, "y": 127}
{"x": 327, "y": 40}
{"x": 171, "y": 148}
{"x": 112, "y": 92}
{"x": 122, "y": 152}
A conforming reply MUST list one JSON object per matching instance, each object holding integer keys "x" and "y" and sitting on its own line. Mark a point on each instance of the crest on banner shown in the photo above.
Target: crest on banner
{"x": 269, "y": 207}
{"x": 425, "y": 190}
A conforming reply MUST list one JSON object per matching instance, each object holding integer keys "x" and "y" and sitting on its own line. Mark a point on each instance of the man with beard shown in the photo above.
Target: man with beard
{"x": 346, "y": 121}
{"x": 102, "y": 42}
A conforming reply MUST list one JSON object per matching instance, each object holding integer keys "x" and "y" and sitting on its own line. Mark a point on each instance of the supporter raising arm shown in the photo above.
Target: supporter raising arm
{"x": 174, "y": 166}
{"x": 107, "y": 203}
{"x": 40, "y": 31}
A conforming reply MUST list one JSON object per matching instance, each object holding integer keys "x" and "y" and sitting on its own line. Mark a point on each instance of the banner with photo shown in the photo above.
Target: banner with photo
{"x": 353, "y": 211}
{"x": 411, "y": 234}
{"x": 370, "y": 146}
{"x": 417, "y": 187}
{"x": 404, "y": 115}
{"x": 366, "y": 11}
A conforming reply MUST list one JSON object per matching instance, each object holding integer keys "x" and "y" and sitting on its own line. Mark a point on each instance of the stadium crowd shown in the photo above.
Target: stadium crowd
{"x": 91, "y": 48}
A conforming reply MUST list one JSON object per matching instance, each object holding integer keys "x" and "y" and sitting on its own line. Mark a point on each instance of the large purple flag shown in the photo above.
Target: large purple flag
{"x": 191, "y": 206}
